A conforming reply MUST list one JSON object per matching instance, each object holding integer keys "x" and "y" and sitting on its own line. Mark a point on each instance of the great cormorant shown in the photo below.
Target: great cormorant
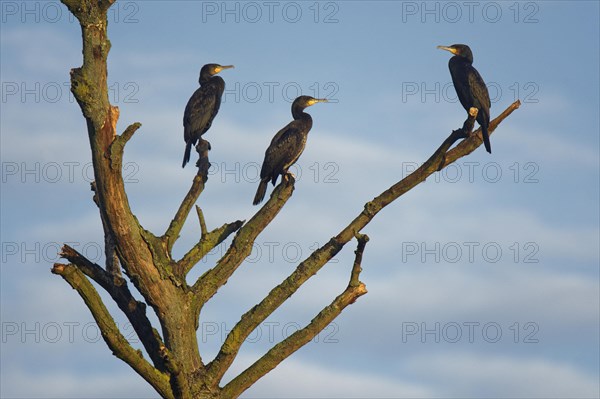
{"x": 470, "y": 87}
{"x": 287, "y": 145}
{"x": 203, "y": 106}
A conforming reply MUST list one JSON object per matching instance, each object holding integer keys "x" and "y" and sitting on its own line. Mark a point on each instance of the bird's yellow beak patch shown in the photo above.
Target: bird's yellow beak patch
{"x": 317, "y": 100}
{"x": 450, "y": 49}
{"x": 220, "y": 68}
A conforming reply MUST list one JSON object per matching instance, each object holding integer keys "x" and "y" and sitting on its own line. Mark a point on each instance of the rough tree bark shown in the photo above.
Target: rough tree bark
{"x": 175, "y": 368}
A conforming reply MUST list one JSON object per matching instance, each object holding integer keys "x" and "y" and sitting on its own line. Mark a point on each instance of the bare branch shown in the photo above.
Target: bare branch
{"x": 133, "y": 309}
{"x": 128, "y": 133}
{"x": 310, "y": 266}
{"x": 241, "y": 247}
{"x": 172, "y": 233}
{"x": 207, "y": 242}
{"x": 203, "y": 163}
{"x": 203, "y": 230}
{"x": 468, "y": 146}
{"x": 117, "y": 288}
{"x": 110, "y": 332}
{"x": 356, "y": 269}
{"x": 117, "y": 145}
{"x": 291, "y": 344}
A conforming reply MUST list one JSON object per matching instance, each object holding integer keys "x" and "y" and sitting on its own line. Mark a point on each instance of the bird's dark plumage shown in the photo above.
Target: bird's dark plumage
{"x": 287, "y": 145}
{"x": 203, "y": 106}
{"x": 470, "y": 87}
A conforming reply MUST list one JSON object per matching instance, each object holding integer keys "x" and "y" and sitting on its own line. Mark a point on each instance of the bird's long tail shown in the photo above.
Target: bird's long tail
{"x": 260, "y": 193}
{"x": 186, "y": 155}
{"x": 486, "y": 138}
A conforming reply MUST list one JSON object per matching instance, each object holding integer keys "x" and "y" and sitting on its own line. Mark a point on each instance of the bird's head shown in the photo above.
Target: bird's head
{"x": 460, "y": 50}
{"x": 210, "y": 70}
{"x": 307, "y": 101}
{"x": 303, "y": 102}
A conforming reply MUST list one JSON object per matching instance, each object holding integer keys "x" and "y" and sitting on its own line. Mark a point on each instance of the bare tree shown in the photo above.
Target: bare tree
{"x": 175, "y": 368}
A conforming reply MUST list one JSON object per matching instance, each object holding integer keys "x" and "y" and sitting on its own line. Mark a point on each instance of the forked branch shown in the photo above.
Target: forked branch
{"x": 134, "y": 310}
{"x": 207, "y": 242}
{"x": 291, "y": 344}
{"x": 110, "y": 332}
{"x": 241, "y": 247}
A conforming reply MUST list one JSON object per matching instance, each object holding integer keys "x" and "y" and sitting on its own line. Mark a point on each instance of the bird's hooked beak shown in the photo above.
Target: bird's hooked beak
{"x": 221, "y": 67}
{"x": 450, "y": 49}
{"x": 313, "y": 101}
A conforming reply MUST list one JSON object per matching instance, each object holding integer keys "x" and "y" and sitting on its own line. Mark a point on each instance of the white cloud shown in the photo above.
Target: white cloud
{"x": 503, "y": 226}
{"x": 64, "y": 384}
{"x": 469, "y": 375}
{"x": 553, "y": 150}
{"x": 28, "y": 46}
{"x": 507, "y": 293}
{"x": 298, "y": 379}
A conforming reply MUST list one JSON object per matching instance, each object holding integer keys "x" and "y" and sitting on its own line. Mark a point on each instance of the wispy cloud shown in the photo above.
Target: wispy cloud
{"x": 64, "y": 384}
{"x": 318, "y": 381}
{"x": 473, "y": 375}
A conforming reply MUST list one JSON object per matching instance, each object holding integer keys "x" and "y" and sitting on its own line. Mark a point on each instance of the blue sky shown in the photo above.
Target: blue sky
{"x": 483, "y": 281}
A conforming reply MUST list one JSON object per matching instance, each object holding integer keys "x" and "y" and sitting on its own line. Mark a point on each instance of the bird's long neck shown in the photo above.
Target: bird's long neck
{"x": 457, "y": 59}
{"x": 298, "y": 113}
{"x": 458, "y": 67}
{"x": 205, "y": 78}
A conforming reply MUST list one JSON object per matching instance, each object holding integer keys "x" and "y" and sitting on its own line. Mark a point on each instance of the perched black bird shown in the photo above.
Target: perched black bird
{"x": 470, "y": 87}
{"x": 287, "y": 145}
{"x": 203, "y": 106}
